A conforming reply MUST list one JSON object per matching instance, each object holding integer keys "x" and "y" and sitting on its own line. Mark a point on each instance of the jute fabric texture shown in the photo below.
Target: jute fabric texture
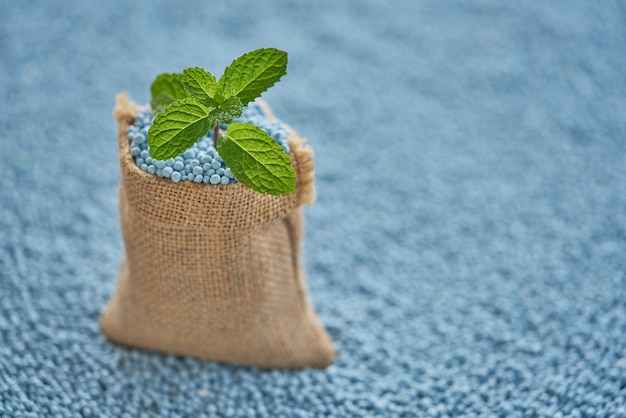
{"x": 214, "y": 271}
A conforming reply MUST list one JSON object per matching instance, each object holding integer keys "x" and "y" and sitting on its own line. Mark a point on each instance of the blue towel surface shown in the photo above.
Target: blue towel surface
{"x": 467, "y": 248}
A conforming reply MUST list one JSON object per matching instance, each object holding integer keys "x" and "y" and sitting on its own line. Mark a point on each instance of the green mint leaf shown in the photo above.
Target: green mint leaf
{"x": 257, "y": 160}
{"x": 227, "y": 111}
{"x": 166, "y": 89}
{"x": 178, "y": 127}
{"x": 253, "y": 73}
{"x": 200, "y": 84}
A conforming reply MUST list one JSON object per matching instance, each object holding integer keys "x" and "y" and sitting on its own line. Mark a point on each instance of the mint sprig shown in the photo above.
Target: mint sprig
{"x": 188, "y": 105}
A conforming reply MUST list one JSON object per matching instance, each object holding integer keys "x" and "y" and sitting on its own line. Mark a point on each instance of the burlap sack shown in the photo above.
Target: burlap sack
{"x": 214, "y": 271}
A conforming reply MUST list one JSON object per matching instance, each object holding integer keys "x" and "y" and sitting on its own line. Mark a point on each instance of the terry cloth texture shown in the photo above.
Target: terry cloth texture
{"x": 466, "y": 250}
{"x": 214, "y": 271}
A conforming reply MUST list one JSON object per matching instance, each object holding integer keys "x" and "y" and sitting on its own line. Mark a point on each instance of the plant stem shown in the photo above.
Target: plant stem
{"x": 216, "y": 133}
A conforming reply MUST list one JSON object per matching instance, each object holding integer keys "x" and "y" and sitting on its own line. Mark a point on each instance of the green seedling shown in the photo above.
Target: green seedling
{"x": 189, "y": 105}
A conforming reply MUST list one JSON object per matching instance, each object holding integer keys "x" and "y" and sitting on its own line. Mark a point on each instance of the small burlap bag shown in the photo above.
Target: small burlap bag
{"x": 214, "y": 271}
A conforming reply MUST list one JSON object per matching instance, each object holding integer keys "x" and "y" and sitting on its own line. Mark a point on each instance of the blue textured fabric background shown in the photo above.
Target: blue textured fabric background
{"x": 467, "y": 249}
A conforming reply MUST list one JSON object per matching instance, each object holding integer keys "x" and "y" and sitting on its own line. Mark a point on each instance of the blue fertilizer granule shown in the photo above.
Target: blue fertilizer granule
{"x": 200, "y": 163}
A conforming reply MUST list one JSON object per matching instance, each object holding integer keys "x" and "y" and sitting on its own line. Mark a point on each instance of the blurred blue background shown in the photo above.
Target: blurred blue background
{"x": 466, "y": 250}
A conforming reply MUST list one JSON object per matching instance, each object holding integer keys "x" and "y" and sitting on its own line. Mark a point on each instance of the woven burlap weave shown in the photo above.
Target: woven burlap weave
{"x": 214, "y": 271}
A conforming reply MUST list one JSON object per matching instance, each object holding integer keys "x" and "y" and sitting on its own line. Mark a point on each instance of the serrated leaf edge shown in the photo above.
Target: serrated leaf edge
{"x": 271, "y": 142}
{"x": 170, "y": 78}
{"x": 156, "y": 128}
{"x": 221, "y": 83}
